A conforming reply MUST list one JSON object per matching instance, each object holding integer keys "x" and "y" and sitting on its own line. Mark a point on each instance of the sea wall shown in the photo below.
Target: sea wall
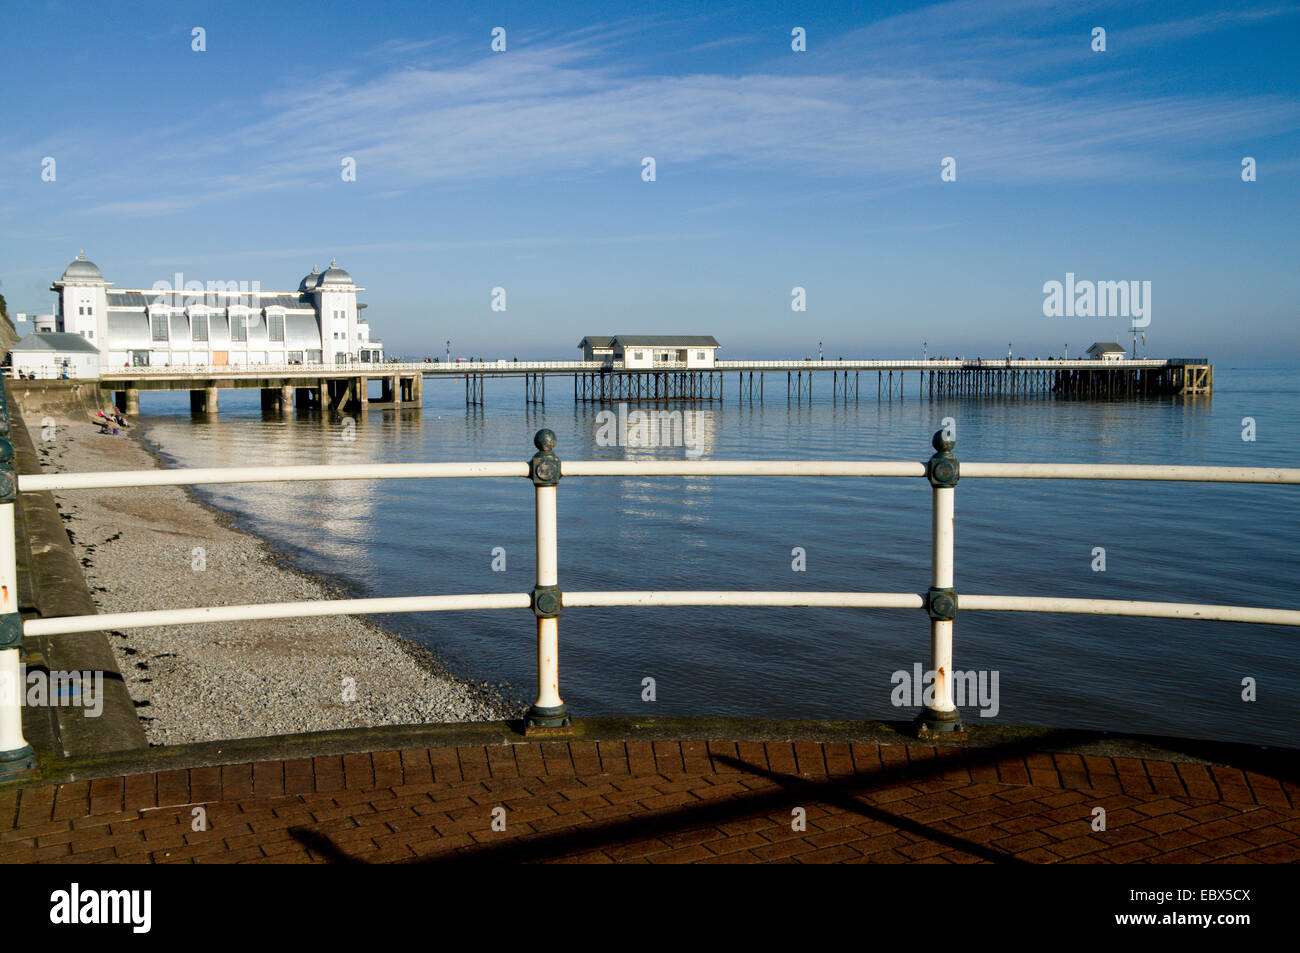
{"x": 51, "y": 584}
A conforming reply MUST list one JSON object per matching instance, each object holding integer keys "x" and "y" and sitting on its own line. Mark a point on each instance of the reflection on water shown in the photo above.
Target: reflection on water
{"x": 1174, "y": 542}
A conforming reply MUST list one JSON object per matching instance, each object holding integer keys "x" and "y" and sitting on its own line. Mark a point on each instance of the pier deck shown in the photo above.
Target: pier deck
{"x": 346, "y": 388}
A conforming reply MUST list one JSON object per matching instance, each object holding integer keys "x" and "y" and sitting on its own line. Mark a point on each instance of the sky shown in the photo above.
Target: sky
{"x": 775, "y": 169}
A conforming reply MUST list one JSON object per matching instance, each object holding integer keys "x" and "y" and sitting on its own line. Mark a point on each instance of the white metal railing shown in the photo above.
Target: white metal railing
{"x": 487, "y": 367}
{"x": 941, "y": 600}
{"x": 44, "y": 372}
{"x": 935, "y": 364}
{"x": 378, "y": 368}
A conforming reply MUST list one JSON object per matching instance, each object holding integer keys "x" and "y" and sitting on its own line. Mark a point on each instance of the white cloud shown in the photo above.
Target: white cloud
{"x": 560, "y": 109}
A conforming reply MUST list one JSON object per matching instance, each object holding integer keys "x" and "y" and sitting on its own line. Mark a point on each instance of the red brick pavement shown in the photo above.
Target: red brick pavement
{"x": 663, "y": 802}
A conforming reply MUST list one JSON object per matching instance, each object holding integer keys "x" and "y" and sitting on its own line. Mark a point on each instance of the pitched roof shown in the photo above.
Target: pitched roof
{"x": 1107, "y": 346}
{"x": 597, "y": 340}
{"x": 667, "y": 340}
{"x": 55, "y": 341}
{"x": 127, "y": 299}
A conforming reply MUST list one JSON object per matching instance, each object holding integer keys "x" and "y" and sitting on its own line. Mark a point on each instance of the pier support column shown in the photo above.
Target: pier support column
{"x": 286, "y": 398}
{"x": 395, "y": 386}
{"x": 941, "y": 601}
{"x": 132, "y": 408}
{"x": 209, "y": 400}
{"x": 324, "y": 402}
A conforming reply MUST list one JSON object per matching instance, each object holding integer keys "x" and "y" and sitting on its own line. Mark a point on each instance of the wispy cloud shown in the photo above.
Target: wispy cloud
{"x": 558, "y": 108}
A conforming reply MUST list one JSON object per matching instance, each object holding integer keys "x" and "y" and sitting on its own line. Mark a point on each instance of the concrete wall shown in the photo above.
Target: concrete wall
{"x": 38, "y": 398}
{"x": 51, "y": 584}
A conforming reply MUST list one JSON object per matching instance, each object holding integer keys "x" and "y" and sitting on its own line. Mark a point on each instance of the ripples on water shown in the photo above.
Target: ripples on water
{"x": 1168, "y": 542}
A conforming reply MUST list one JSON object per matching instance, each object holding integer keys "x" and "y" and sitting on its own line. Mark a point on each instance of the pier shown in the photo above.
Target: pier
{"x": 346, "y": 388}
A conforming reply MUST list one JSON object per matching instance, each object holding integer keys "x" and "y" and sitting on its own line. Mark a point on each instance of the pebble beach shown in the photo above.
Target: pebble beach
{"x": 159, "y": 547}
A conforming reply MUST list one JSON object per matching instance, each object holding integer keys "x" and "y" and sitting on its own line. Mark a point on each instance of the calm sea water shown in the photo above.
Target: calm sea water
{"x": 1196, "y": 543}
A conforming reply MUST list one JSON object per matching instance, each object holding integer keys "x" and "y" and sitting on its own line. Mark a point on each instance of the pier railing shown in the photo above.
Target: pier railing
{"x": 380, "y": 368}
{"x": 548, "y": 713}
{"x": 376, "y": 368}
{"x": 950, "y": 364}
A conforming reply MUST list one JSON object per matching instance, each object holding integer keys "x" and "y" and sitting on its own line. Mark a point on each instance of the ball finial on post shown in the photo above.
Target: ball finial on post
{"x": 943, "y": 468}
{"x": 544, "y": 467}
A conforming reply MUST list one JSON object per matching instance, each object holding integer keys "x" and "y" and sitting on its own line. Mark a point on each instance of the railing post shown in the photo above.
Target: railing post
{"x": 943, "y": 470}
{"x": 549, "y": 714}
{"x": 17, "y": 759}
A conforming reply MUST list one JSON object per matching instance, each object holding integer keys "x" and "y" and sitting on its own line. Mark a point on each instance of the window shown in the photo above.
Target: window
{"x": 200, "y": 326}
{"x": 636, "y": 355}
{"x": 699, "y": 355}
{"x": 238, "y": 327}
{"x": 275, "y": 326}
{"x": 160, "y": 327}
{"x": 295, "y": 357}
{"x": 313, "y": 357}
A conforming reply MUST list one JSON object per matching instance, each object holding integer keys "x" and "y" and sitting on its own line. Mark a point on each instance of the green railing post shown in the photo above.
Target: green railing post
{"x": 548, "y": 713}
{"x": 943, "y": 471}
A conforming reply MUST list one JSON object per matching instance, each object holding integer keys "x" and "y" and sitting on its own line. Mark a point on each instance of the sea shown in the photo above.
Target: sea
{"x": 1178, "y": 542}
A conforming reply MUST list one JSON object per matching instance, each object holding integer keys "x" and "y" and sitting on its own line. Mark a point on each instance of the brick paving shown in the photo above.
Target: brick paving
{"x": 663, "y": 802}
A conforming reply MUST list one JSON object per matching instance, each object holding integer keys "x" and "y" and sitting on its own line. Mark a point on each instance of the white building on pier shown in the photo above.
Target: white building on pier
{"x": 1106, "y": 351}
{"x": 320, "y": 323}
{"x": 649, "y": 350}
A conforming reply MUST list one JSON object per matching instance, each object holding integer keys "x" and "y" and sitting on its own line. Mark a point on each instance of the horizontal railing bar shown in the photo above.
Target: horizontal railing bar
{"x": 953, "y": 364}
{"x": 274, "y": 610}
{"x": 857, "y": 468}
{"x": 699, "y": 598}
{"x": 595, "y": 468}
{"x": 453, "y": 368}
{"x": 1116, "y": 471}
{"x": 185, "y": 477}
{"x": 746, "y": 597}
{"x": 1122, "y": 607}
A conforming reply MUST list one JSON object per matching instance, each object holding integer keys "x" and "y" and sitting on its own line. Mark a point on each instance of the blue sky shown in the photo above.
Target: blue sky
{"x": 775, "y": 169}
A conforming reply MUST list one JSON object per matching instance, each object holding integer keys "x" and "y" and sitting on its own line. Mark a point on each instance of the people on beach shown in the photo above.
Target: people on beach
{"x": 110, "y": 423}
